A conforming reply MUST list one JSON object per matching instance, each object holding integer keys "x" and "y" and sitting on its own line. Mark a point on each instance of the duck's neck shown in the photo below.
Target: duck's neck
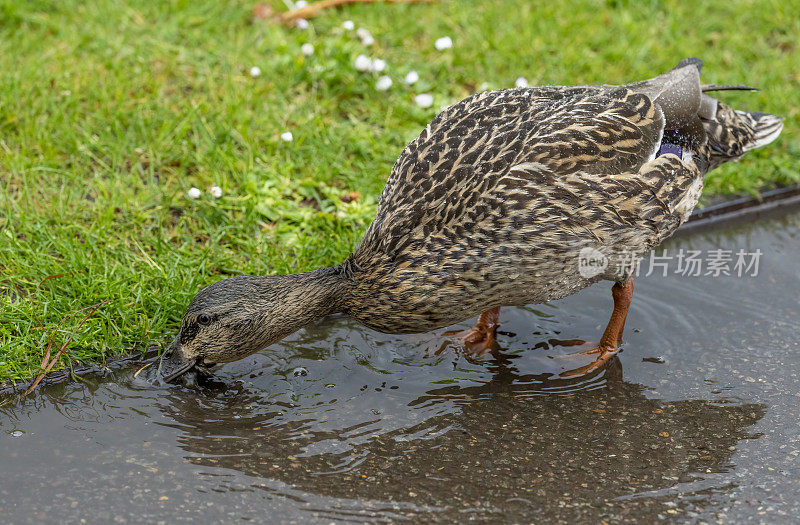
{"x": 321, "y": 292}
{"x": 304, "y": 298}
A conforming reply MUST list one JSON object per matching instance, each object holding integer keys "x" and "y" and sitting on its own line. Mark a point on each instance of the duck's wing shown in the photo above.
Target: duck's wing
{"x": 499, "y": 160}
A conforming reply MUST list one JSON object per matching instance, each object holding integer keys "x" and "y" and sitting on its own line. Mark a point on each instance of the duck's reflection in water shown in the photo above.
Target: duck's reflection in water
{"x": 516, "y": 447}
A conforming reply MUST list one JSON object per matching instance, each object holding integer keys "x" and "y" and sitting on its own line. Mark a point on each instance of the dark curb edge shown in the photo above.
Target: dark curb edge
{"x": 743, "y": 209}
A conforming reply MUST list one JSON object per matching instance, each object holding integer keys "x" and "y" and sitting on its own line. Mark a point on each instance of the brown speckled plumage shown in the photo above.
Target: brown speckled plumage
{"x": 493, "y": 202}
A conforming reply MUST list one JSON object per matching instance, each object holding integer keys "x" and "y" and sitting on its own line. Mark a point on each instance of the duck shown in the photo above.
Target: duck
{"x": 506, "y": 198}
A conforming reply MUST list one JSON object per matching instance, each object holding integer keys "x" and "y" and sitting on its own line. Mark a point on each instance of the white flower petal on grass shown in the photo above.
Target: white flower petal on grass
{"x": 378, "y": 65}
{"x": 365, "y": 36}
{"x": 521, "y": 82}
{"x": 300, "y": 4}
{"x": 287, "y": 136}
{"x": 255, "y": 71}
{"x": 301, "y": 23}
{"x": 363, "y": 63}
{"x": 193, "y": 193}
{"x": 348, "y": 25}
{"x": 424, "y": 100}
{"x": 307, "y": 49}
{"x": 443, "y": 43}
{"x": 383, "y": 83}
{"x": 411, "y": 77}
{"x": 215, "y": 191}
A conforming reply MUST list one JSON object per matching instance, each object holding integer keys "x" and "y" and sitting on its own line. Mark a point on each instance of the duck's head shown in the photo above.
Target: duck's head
{"x": 235, "y": 317}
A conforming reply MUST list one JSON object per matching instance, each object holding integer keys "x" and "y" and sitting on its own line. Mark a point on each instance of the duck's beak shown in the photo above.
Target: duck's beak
{"x": 173, "y": 362}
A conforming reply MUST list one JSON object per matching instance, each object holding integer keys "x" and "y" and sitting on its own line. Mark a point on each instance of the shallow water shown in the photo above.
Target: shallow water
{"x": 697, "y": 420}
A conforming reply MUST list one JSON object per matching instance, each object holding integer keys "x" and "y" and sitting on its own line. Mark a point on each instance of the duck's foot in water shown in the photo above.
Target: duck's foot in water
{"x": 601, "y": 361}
{"x": 481, "y": 338}
{"x": 612, "y": 337}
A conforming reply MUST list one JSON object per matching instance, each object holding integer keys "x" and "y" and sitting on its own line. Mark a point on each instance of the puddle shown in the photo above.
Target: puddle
{"x": 697, "y": 420}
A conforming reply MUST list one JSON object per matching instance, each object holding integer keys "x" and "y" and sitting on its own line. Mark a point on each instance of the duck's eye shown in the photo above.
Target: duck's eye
{"x": 204, "y": 319}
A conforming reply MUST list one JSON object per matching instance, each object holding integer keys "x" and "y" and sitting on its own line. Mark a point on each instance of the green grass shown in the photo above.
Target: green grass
{"x": 110, "y": 111}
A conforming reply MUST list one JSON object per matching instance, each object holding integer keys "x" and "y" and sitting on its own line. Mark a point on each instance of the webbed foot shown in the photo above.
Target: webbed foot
{"x": 481, "y": 338}
{"x": 609, "y": 344}
{"x": 606, "y": 353}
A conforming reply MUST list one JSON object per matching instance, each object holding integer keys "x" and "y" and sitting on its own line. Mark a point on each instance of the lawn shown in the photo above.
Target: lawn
{"x": 110, "y": 111}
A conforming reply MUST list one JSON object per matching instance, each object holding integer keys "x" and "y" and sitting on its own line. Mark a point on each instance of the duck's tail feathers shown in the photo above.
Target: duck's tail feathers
{"x": 693, "y": 118}
{"x": 766, "y": 127}
{"x": 732, "y": 133}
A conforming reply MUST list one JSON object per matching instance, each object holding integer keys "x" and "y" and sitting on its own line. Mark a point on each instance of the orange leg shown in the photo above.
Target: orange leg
{"x": 612, "y": 337}
{"x": 481, "y": 337}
